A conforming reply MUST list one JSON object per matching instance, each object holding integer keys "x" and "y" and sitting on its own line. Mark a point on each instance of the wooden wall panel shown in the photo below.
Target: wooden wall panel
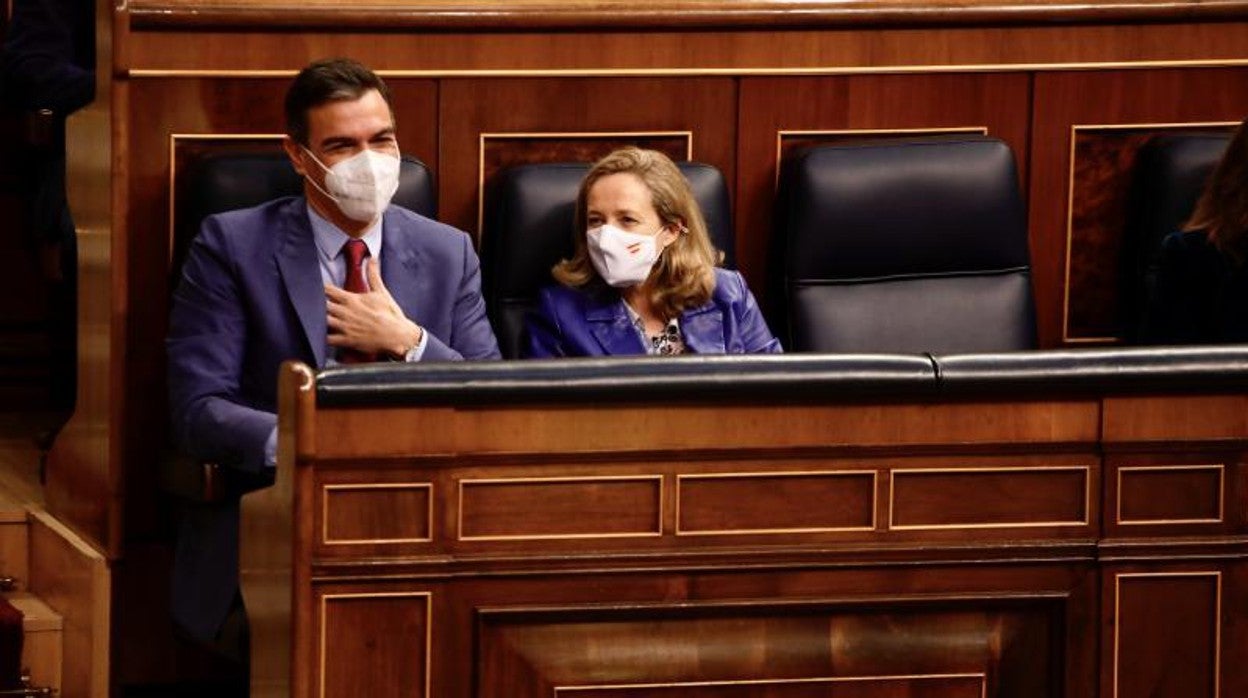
{"x": 377, "y": 513}
{"x": 391, "y": 658}
{"x": 650, "y": 502}
{"x": 1063, "y": 256}
{"x": 1159, "y": 419}
{"x": 1171, "y": 493}
{"x": 520, "y": 508}
{"x": 490, "y": 430}
{"x": 762, "y": 49}
{"x": 708, "y": 14}
{"x": 563, "y": 111}
{"x": 1183, "y": 492}
{"x": 1104, "y": 163}
{"x": 1183, "y": 661}
{"x": 782, "y": 503}
{"x": 760, "y": 647}
{"x": 1005, "y": 497}
{"x": 996, "y": 103}
{"x": 671, "y": 633}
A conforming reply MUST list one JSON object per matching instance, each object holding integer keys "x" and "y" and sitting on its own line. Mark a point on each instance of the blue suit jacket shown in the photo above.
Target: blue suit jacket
{"x": 571, "y": 322}
{"x": 250, "y": 298}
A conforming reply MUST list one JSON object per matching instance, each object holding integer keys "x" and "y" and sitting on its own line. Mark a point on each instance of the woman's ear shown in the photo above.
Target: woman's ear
{"x": 668, "y": 235}
{"x": 670, "y": 232}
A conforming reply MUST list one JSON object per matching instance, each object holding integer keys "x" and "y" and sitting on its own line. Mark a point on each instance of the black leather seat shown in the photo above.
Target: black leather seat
{"x": 1170, "y": 173}
{"x": 227, "y": 181}
{"x": 528, "y": 228}
{"x": 904, "y": 246}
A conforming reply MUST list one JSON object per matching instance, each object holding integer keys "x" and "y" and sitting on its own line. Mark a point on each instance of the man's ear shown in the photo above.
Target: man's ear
{"x": 295, "y": 152}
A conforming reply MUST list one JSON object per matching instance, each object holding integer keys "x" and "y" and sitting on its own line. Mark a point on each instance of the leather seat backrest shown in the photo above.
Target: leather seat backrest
{"x": 905, "y": 246}
{"x": 228, "y": 181}
{"x": 528, "y": 228}
{"x": 1170, "y": 173}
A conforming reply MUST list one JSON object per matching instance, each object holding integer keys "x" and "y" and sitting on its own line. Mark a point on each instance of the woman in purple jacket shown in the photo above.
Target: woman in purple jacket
{"x": 643, "y": 278}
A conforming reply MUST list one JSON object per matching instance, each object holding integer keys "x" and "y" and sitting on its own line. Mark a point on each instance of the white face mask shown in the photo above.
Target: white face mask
{"x": 362, "y": 185}
{"x": 622, "y": 258}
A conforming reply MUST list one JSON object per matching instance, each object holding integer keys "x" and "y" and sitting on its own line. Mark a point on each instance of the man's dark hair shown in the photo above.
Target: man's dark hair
{"x": 329, "y": 80}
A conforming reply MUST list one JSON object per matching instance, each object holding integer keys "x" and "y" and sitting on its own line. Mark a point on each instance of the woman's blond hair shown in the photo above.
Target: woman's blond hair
{"x": 684, "y": 275}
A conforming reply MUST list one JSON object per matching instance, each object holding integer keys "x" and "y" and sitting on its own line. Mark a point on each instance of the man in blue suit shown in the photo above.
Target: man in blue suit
{"x": 335, "y": 276}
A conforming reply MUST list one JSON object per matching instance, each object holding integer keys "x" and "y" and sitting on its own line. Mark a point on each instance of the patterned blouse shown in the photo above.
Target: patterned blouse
{"x": 668, "y": 342}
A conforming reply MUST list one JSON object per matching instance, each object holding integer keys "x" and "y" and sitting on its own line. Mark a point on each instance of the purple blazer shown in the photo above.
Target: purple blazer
{"x": 572, "y": 322}
{"x": 250, "y": 298}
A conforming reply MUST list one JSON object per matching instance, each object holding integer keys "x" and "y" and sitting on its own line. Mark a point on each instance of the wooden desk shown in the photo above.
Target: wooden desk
{"x": 429, "y": 537}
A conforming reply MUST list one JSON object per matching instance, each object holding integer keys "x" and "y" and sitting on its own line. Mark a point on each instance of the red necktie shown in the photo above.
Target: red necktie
{"x": 355, "y": 251}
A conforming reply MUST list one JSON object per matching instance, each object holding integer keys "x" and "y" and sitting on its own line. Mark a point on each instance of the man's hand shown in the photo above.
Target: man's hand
{"x": 370, "y": 322}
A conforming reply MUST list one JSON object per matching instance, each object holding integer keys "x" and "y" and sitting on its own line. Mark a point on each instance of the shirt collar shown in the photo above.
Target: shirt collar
{"x": 330, "y": 238}
{"x": 640, "y": 324}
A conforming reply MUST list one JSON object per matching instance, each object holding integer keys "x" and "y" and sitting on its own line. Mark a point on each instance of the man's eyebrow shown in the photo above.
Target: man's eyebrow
{"x": 336, "y": 140}
{"x": 388, "y": 131}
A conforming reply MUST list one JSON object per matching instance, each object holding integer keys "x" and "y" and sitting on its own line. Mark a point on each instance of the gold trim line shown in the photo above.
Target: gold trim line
{"x": 983, "y": 679}
{"x": 713, "y": 72}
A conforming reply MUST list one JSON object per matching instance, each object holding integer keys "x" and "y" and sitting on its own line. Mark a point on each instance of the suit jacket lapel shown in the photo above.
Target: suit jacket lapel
{"x": 301, "y": 275}
{"x": 611, "y": 326}
{"x": 399, "y": 264}
{"x": 702, "y": 329}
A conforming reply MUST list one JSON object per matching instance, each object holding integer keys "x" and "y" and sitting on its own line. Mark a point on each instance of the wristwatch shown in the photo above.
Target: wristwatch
{"x": 410, "y": 355}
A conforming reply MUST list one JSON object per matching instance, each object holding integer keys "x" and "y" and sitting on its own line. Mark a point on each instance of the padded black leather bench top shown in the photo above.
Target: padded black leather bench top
{"x": 1132, "y": 370}
{"x": 797, "y": 377}
{"x": 632, "y": 379}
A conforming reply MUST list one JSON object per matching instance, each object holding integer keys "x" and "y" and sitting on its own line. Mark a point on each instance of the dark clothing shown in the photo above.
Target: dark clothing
{"x": 48, "y": 72}
{"x": 49, "y": 55}
{"x": 1201, "y": 295}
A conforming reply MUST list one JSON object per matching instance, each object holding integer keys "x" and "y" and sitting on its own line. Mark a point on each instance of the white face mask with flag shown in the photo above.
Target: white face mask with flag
{"x": 622, "y": 259}
{"x": 362, "y": 185}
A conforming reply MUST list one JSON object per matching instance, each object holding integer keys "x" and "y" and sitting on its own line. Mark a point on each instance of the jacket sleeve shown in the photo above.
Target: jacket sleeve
{"x": 471, "y": 334}
{"x": 756, "y": 337}
{"x": 543, "y": 337}
{"x": 48, "y": 55}
{"x": 206, "y": 345}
